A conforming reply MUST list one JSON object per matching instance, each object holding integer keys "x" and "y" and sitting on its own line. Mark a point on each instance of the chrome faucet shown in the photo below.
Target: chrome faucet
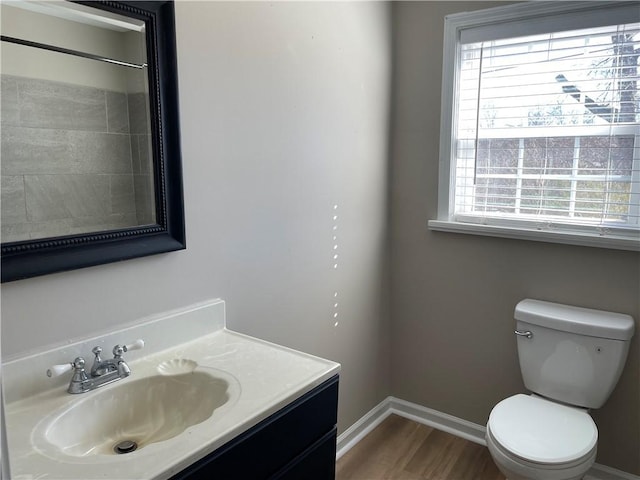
{"x": 102, "y": 372}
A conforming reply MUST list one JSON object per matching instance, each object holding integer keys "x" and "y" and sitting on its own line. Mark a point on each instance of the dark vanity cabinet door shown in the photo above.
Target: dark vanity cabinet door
{"x": 297, "y": 442}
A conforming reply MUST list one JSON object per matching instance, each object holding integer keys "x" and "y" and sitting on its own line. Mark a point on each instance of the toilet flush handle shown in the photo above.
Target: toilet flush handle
{"x": 526, "y": 333}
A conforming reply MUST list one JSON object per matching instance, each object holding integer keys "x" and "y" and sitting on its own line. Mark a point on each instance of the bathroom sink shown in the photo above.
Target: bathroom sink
{"x": 132, "y": 414}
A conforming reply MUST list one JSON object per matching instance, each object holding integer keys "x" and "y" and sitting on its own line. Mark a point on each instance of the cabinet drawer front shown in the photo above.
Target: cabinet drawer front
{"x": 318, "y": 462}
{"x": 268, "y": 447}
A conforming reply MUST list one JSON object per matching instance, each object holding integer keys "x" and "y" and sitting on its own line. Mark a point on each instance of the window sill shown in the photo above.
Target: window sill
{"x": 566, "y": 238}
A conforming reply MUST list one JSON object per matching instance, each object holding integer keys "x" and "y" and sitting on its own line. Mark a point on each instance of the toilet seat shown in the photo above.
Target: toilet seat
{"x": 542, "y": 432}
{"x": 501, "y": 456}
{"x": 515, "y": 468}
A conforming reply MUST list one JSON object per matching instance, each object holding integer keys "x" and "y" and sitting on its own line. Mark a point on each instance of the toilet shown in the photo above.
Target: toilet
{"x": 571, "y": 359}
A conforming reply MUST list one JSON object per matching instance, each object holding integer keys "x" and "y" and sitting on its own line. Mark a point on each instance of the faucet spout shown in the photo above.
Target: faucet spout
{"x": 123, "y": 369}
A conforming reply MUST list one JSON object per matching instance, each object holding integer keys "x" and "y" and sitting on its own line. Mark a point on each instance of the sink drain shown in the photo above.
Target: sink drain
{"x": 126, "y": 446}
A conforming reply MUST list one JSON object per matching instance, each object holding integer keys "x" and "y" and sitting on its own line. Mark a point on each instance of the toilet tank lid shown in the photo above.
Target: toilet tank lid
{"x": 579, "y": 320}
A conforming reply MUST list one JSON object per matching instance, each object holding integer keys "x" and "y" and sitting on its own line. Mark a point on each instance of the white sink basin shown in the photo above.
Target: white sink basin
{"x": 144, "y": 411}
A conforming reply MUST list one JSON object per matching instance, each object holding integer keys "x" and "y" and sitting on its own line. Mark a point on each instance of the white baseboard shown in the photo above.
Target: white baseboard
{"x": 445, "y": 422}
{"x": 356, "y": 432}
{"x": 602, "y": 472}
{"x": 442, "y": 421}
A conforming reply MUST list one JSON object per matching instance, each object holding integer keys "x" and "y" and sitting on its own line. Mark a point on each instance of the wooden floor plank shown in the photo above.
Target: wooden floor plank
{"x": 475, "y": 463}
{"x": 401, "y": 449}
{"x": 376, "y": 457}
{"x": 405, "y": 449}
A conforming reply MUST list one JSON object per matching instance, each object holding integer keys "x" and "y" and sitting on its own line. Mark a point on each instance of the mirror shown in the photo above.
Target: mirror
{"x": 90, "y": 144}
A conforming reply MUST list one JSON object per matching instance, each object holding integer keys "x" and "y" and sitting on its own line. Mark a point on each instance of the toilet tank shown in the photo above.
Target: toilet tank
{"x": 575, "y": 355}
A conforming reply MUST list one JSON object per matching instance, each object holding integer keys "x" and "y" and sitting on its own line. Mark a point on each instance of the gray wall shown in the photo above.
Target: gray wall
{"x": 453, "y": 295}
{"x": 284, "y": 111}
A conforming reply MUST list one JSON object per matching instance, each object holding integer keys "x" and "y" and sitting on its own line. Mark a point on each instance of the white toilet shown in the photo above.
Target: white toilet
{"x": 571, "y": 359}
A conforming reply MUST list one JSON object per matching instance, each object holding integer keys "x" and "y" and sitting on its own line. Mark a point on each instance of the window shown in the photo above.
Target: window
{"x": 540, "y": 135}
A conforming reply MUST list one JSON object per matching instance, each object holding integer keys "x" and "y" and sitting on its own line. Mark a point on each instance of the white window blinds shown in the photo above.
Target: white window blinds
{"x": 545, "y": 127}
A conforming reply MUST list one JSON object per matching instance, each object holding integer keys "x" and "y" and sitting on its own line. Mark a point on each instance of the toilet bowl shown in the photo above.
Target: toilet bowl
{"x": 530, "y": 437}
{"x": 571, "y": 359}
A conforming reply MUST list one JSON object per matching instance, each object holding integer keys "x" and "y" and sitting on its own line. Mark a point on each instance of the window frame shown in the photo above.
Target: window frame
{"x": 514, "y": 16}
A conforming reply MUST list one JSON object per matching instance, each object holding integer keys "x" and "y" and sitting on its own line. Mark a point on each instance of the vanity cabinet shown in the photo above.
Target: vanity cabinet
{"x": 297, "y": 442}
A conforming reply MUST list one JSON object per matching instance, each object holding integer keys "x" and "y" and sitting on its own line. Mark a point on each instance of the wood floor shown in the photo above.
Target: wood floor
{"x": 401, "y": 449}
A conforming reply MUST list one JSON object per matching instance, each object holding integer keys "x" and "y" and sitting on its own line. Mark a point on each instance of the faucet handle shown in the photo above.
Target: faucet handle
{"x": 137, "y": 345}
{"x": 58, "y": 370}
{"x": 97, "y": 351}
{"x": 118, "y": 350}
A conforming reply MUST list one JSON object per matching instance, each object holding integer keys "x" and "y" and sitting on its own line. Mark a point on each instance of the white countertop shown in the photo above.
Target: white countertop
{"x": 267, "y": 378}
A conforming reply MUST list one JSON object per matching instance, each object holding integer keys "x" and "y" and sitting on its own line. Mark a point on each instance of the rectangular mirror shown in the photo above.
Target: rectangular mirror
{"x": 91, "y": 169}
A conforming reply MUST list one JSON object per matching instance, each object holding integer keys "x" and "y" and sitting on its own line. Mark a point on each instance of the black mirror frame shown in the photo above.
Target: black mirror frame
{"x": 32, "y": 258}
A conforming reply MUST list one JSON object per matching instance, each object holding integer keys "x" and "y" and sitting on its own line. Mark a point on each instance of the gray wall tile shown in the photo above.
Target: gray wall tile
{"x": 146, "y": 153}
{"x": 12, "y": 233}
{"x": 135, "y": 154}
{"x": 9, "y": 101}
{"x": 14, "y": 209}
{"x": 66, "y": 196}
{"x": 138, "y": 112}
{"x": 145, "y": 204}
{"x": 35, "y": 230}
{"x": 117, "y": 112}
{"x": 47, "y": 151}
{"x": 141, "y": 158}
{"x": 62, "y": 106}
{"x": 122, "y": 194}
{"x": 109, "y": 222}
